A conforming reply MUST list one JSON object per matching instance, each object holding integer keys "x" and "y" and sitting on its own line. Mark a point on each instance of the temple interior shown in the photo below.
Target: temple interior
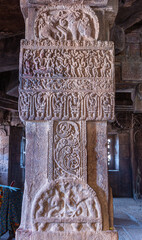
{"x": 124, "y": 132}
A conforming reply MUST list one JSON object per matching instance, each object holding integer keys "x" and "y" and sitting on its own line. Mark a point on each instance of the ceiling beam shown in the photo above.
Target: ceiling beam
{"x": 8, "y": 103}
{"x": 9, "y": 53}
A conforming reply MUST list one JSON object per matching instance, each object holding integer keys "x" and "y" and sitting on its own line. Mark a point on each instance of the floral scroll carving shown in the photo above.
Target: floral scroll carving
{"x": 66, "y": 205}
{"x": 67, "y": 149}
{"x": 66, "y": 23}
{"x": 70, "y": 156}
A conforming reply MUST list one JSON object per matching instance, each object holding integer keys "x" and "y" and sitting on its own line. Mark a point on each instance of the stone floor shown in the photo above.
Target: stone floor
{"x": 127, "y": 219}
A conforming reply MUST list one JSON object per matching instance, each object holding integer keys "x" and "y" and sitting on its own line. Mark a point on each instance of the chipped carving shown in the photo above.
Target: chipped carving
{"x": 75, "y": 22}
{"x": 66, "y": 205}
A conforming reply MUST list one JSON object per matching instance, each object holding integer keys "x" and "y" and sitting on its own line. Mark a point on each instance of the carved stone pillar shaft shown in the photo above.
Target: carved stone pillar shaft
{"x": 66, "y": 98}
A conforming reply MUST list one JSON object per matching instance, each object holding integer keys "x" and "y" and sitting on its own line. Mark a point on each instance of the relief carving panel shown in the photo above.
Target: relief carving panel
{"x": 66, "y": 205}
{"x": 70, "y": 157}
{"x": 66, "y": 106}
{"x": 67, "y": 63}
{"x": 72, "y": 81}
{"x": 69, "y": 84}
{"x": 76, "y": 22}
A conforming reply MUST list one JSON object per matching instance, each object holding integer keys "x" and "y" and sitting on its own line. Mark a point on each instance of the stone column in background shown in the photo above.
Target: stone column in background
{"x": 66, "y": 97}
{"x": 4, "y": 154}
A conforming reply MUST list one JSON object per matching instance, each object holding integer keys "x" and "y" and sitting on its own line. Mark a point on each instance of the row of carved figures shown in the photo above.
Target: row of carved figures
{"x": 67, "y": 63}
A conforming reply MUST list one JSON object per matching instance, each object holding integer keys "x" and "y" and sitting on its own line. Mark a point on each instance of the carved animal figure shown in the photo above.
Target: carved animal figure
{"x": 79, "y": 28}
{"x": 84, "y": 28}
{"x": 46, "y": 28}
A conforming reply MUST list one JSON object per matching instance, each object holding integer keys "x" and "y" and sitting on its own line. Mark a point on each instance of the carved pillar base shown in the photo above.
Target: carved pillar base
{"x": 105, "y": 235}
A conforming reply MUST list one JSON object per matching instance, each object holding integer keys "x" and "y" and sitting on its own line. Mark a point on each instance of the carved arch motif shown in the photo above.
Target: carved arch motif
{"x": 66, "y": 205}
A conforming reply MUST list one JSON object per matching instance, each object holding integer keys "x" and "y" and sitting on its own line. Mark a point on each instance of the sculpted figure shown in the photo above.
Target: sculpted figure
{"x": 46, "y": 28}
{"x": 106, "y": 106}
{"x": 79, "y": 27}
{"x": 73, "y": 24}
{"x": 84, "y": 28}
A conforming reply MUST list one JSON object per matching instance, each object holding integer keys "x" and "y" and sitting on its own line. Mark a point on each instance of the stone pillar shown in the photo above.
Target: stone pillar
{"x": 4, "y": 154}
{"x": 66, "y": 98}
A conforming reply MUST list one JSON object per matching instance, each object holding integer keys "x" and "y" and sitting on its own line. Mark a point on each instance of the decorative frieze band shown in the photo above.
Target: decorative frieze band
{"x": 67, "y": 63}
{"x": 66, "y": 82}
{"x": 66, "y": 106}
{"x": 97, "y": 3}
{"x": 79, "y": 44}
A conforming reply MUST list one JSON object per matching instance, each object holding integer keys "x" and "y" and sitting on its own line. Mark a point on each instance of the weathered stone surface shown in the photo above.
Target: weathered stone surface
{"x": 74, "y": 81}
{"x": 105, "y": 235}
{"x": 4, "y": 156}
{"x": 138, "y": 99}
{"x": 75, "y": 209}
{"x": 66, "y": 79}
{"x": 97, "y": 164}
{"x": 131, "y": 71}
{"x": 88, "y": 2}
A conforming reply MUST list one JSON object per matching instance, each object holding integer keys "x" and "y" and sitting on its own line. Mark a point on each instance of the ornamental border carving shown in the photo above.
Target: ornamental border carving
{"x": 45, "y": 43}
{"x": 69, "y": 156}
{"x": 97, "y": 3}
{"x": 37, "y": 106}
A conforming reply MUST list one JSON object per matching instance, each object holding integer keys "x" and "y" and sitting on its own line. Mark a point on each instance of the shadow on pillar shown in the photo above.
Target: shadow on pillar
{"x": 97, "y": 172}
